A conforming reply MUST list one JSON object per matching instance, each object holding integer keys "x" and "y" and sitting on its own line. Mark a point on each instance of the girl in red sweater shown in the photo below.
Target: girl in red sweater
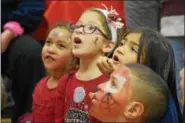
{"x": 94, "y": 35}
{"x": 57, "y": 59}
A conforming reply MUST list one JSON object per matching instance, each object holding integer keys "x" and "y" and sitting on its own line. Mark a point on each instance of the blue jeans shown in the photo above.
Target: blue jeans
{"x": 178, "y": 47}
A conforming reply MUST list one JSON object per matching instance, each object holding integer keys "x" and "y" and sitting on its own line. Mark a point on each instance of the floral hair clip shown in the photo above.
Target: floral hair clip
{"x": 113, "y": 20}
{"x": 113, "y": 17}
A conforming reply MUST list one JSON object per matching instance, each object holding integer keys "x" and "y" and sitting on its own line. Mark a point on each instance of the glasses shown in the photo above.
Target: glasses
{"x": 88, "y": 29}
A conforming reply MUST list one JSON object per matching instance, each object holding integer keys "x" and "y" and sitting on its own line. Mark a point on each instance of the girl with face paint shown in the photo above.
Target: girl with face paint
{"x": 94, "y": 35}
{"x": 148, "y": 47}
{"x": 58, "y": 59}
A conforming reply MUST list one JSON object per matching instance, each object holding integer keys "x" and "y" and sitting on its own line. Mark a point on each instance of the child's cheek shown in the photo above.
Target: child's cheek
{"x": 121, "y": 99}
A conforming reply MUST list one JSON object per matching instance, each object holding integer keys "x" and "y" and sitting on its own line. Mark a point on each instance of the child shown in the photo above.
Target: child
{"x": 94, "y": 36}
{"x": 148, "y": 47}
{"x": 57, "y": 59}
{"x": 131, "y": 95}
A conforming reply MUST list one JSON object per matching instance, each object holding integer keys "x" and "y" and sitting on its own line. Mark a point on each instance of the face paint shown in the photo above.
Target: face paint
{"x": 110, "y": 100}
{"x": 56, "y": 33}
{"x": 115, "y": 85}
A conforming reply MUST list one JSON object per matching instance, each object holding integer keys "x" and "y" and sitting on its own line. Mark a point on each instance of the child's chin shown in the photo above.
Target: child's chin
{"x": 50, "y": 68}
{"x": 79, "y": 54}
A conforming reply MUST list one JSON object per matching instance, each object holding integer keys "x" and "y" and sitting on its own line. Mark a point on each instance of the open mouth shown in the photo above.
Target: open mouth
{"x": 115, "y": 58}
{"x": 77, "y": 40}
{"x": 50, "y": 58}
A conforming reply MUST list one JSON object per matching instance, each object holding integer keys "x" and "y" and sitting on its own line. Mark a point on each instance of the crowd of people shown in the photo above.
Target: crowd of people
{"x": 93, "y": 61}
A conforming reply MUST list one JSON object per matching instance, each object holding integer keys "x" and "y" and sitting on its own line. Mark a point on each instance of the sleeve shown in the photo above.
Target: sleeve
{"x": 60, "y": 101}
{"x": 28, "y": 14}
{"x": 37, "y": 90}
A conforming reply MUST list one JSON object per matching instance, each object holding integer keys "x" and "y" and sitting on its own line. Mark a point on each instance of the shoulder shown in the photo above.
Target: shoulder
{"x": 103, "y": 78}
{"x": 63, "y": 81}
{"x": 66, "y": 77}
{"x": 42, "y": 81}
{"x": 40, "y": 84}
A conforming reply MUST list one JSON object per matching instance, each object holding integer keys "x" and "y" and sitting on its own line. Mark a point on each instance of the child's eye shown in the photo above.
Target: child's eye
{"x": 61, "y": 46}
{"x": 90, "y": 27}
{"x": 48, "y": 42}
{"x": 134, "y": 49}
{"x": 113, "y": 84}
{"x": 121, "y": 44}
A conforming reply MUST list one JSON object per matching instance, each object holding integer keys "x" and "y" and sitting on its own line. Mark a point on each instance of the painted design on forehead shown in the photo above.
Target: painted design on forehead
{"x": 56, "y": 33}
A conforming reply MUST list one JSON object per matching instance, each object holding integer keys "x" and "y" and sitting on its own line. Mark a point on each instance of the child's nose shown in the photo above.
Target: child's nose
{"x": 51, "y": 49}
{"x": 120, "y": 51}
{"x": 79, "y": 30}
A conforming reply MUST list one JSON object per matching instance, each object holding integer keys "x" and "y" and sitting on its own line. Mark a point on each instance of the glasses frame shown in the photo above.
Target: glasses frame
{"x": 83, "y": 27}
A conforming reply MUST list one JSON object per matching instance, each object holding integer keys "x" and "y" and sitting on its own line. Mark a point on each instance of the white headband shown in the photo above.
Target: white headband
{"x": 112, "y": 24}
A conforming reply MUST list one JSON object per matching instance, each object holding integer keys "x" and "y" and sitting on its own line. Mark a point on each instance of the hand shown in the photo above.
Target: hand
{"x": 6, "y": 37}
{"x": 106, "y": 65}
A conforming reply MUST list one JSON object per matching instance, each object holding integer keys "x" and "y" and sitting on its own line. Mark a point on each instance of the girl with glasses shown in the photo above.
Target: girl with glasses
{"x": 94, "y": 35}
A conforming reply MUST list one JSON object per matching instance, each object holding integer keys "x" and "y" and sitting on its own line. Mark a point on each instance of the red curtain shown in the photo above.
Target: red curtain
{"x": 58, "y": 10}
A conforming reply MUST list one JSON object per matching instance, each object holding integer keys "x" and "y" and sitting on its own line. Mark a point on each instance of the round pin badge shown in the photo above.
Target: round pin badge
{"x": 79, "y": 94}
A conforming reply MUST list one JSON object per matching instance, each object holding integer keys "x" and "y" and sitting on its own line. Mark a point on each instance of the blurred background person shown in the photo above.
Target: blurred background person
{"x": 21, "y": 53}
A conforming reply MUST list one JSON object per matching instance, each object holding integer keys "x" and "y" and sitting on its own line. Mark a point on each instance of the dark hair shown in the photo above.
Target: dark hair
{"x": 147, "y": 84}
{"x": 156, "y": 53}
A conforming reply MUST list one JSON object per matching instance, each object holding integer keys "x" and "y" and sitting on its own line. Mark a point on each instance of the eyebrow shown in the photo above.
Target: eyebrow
{"x": 124, "y": 39}
{"x": 48, "y": 39}
{"x": 62, "y": 41}
{"x": 132, "y": 42}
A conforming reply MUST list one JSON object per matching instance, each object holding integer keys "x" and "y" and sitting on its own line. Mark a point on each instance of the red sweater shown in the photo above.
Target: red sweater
{"x": 45, "y": 107}
{"x": 77, "y": 101}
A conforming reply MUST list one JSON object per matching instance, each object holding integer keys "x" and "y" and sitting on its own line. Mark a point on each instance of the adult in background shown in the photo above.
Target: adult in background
{"x": 21, "y": 60}
{"x": 143, "y": 14}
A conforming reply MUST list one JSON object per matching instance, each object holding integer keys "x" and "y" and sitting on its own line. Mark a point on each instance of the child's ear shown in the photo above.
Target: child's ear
{"x": 108, "y": 46}
{"x": 134, "y": 111}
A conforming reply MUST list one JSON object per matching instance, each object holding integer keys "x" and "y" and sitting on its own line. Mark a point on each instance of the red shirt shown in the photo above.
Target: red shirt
{"x": 45, "y": 107}
{"x": 77, "y": 100}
